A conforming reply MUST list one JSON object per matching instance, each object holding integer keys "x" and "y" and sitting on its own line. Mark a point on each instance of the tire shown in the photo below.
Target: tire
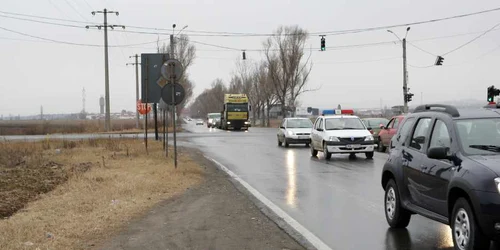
{"x": 286, "y": 143}
{"x": 462, "y": 215}
{"x": 369, "y": 155}
{"x": 279, "y": 142}
{"x": 395, "y": 214}
{"x": 352, "y": 156}
{"x": 307, "y": 145}
{"x": 314, "y": 152}
{"x": 327, "y": 154}
{"x": 381, "y": 147}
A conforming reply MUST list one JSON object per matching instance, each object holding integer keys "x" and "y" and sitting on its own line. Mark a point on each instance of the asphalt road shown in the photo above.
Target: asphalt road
{"x": 340, "y": 201}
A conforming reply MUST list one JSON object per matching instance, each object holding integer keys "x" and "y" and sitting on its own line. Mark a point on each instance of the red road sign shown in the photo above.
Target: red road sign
{"x": 143, "y": 108}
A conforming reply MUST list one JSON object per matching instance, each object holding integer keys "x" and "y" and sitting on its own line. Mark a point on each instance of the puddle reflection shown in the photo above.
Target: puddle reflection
{"x": 291, "y": 191}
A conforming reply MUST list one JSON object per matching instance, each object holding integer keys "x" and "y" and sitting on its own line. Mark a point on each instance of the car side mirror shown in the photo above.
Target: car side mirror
{"x": 438, "y": 153}
{"x": 282, "y": 127}
{"x": 382, "y": 126}
{"x": 369, "y": 128}
{"x": 319, "y": 129}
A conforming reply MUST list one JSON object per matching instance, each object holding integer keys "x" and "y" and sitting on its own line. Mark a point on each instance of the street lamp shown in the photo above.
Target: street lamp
{"x": 405, "y": 72}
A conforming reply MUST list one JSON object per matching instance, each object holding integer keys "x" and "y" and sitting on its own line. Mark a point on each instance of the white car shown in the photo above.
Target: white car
{"x": 341, "y": 134}
{"x": 295, "y": 131}
{"x": 200, "y": 122}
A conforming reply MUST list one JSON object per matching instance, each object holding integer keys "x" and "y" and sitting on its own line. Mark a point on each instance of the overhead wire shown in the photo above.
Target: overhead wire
{"x": 474, "y": 39}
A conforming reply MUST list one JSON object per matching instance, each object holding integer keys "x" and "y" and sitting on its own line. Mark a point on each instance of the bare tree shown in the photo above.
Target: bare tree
{"x": 284, "y": 52}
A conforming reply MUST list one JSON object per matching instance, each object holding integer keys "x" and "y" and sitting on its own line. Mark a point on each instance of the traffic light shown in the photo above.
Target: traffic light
{"x": 439, "y": 60}
{"x": 408, "y": 97}
{"x": 244, "y": 55}
{"x": 323, "y": 44}
{"x": 492, "y": 92}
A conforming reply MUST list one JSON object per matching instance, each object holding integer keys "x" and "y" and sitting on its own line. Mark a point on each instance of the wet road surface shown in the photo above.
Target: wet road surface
{"x": 340, "y": 201}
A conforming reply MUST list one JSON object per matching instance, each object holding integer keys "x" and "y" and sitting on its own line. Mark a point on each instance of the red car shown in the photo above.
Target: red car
{"x": 387, "y": 132}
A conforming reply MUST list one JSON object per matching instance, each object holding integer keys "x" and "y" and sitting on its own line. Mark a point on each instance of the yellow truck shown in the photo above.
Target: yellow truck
{"x": 235, "y": 112}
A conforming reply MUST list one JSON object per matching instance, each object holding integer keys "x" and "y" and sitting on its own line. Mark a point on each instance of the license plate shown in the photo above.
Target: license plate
{"x": 353, "y": 146}
{"x": 303, "y": 137}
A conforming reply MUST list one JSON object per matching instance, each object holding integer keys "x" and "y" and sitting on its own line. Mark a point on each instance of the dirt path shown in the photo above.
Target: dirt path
{"x": 214, "y": 215}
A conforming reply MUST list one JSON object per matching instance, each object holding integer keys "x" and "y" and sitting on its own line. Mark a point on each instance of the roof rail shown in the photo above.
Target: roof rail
{"x": 449, "y": 109}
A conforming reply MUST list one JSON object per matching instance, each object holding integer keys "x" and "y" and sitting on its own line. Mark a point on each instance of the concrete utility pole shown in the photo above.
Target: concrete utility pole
{"x": 405, "y": 72}
{"x": 107, "y": 123}
{"x": 405, "y": 78}
{"x": 136, "y": 86}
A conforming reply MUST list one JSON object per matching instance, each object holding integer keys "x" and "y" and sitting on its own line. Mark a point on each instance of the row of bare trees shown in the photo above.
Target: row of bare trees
{"x": 278, "y": 80}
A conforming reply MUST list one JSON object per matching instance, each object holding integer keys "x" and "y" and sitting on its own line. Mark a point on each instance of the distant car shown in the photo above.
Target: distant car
{"x": 295, "y": 131}
{"x": 189, "y": 119}
{"x": 341, "y": 134}
{"x": 200, "y": 122}
{"x": 387, "y": 132}
{"x": 375, "y": 125}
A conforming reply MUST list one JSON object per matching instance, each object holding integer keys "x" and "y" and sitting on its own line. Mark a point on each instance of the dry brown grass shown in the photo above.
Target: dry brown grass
{"x": 118, "y": 182}
{"x": 39, "y": 127}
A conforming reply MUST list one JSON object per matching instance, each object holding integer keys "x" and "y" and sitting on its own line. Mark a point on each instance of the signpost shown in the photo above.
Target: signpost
{"x": 164, "y": 107}
{"x": 172, "y": 93}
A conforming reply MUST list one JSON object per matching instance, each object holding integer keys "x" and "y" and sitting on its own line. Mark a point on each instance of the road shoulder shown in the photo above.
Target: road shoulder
{"x": 213, "y": 215}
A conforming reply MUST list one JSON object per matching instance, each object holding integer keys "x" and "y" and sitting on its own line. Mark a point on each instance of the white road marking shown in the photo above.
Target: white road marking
{"x": 313, "y": 240}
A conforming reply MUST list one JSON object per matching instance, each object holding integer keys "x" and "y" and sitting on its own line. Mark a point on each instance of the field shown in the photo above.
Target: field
{"x": 71, "y": 194}
{"x": 43, "y": 127}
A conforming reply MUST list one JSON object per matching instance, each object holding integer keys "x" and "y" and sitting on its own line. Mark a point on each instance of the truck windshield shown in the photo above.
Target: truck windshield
{"x": 237, "y": 107}
{"x": 299, "y": 123}
{"x": 343, "y": 123}
{"x": 212, "y": 116}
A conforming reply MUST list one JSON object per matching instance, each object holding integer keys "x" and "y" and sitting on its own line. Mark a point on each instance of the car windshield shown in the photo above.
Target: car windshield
{"x": 299, "y": 123}
{"x": 343, "y": 123}
{"x": 212, "y": 116}
{"x": 479, "y": 136}
{"x": 237, "y": 107}
{"x": 375, "y": 123}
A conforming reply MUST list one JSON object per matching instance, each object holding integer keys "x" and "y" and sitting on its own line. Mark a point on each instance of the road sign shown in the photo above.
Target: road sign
{"x": 151, "y": 78}
{"x": 172, "y": 69}
{"x": 143, "y": 108}
{"x": 166, "y": 94}
{"x": 162, "y": 82}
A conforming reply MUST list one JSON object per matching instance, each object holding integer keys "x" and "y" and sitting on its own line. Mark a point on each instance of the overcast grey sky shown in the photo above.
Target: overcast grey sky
{"x": 35, "y": 72}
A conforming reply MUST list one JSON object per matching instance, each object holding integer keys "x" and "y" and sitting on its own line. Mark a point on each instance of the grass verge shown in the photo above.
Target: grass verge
{"x": 70, "y": 195}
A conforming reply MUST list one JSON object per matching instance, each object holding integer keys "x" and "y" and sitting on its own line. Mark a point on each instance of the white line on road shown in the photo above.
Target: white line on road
{"x": 313, "y": 240}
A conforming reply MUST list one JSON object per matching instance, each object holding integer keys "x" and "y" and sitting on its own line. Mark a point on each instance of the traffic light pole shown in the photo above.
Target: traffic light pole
{"x": 405, "y": 79}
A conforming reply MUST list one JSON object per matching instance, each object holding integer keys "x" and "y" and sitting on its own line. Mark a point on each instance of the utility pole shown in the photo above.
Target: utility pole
{"x": 405, "y": 78}
{"x": 405, "y": 72}
{"x": 107, "y": 123}
{"x": 136, "y": 86}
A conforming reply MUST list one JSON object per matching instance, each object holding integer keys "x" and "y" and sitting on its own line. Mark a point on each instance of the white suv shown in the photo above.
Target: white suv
{"x": 341, "y": 134}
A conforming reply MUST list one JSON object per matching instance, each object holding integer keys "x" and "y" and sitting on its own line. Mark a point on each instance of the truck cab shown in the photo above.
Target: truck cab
{"x": 235, "y": 112}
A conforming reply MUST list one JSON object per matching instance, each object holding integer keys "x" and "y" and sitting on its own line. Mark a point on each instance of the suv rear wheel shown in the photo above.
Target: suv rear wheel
{"x": 465, "y": 231}
{"x": 314, "y": 152}
{"x": 395, "y": 214}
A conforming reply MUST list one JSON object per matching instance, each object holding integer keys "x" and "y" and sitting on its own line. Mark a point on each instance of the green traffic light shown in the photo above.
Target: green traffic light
{"x": 490, "y": 99}
{"x": 322, "y": 48}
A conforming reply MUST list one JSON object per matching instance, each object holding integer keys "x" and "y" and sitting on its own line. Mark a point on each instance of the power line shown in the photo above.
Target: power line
{"x": 475, "y": 38}
{"x": 42, "y": 17}
{"x": 57, "y": 8}
{"x": 76, "y": 11}
{"x": 44, "y": 22}
{"x": 423, "y": 50}
{"x": 335, "y": 32}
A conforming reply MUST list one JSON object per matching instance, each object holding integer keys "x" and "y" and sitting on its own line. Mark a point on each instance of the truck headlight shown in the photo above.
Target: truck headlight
{"x": 369, "y": 138}
{"x": 497, "y": 183}
{"x": 290, "y": 132}
{"x": 246, "y": 122}
{"x": 228, "y": 122}
{"x": 334, "y": 138}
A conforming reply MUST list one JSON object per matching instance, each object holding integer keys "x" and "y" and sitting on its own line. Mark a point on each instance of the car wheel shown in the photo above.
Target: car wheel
{"x": 395, "y": 214}
{"x": 327, "y": 154}
{"x": 279, "y": 142}
{"x": 352, "y": 156}
{"x": 314, "y": 152}
{"x": 307, "y": 145}
{"x": 381, "y": 147}
{"x": 465, "y": 231}
{"x": 286, "y": 143}
{"x": 369, "y": 155}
